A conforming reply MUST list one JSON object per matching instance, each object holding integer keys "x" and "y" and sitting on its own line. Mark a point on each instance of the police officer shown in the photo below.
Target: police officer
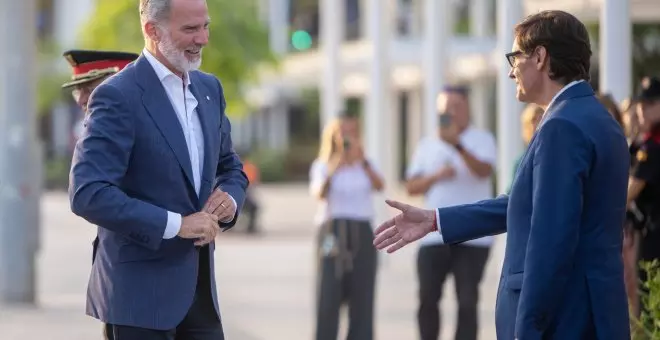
{"x": 644, "y": 184}
{"x": 89, "y": 69}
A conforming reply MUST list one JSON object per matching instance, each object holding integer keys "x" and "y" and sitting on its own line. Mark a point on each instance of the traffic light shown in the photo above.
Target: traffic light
{"x": 301, "y": 40}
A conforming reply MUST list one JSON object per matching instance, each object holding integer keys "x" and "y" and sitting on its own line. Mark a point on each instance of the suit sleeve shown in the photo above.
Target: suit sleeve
{"x": 99, "y": 164}
{"x": 561, "y": 165}
{"x": 471, "y": 221}
{"x": 229, "y": 174}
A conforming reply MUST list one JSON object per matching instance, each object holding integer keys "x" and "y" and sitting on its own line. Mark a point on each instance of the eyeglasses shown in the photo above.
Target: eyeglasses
{"x": 511, "y": 57}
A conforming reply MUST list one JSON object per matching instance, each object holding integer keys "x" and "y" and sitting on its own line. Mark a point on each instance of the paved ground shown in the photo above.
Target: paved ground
{"x": 265, "y": 282}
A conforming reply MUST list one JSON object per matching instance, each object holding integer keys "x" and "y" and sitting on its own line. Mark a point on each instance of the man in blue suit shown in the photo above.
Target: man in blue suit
{"x": 562, "y": 277}
{"x": 155, "y": 170}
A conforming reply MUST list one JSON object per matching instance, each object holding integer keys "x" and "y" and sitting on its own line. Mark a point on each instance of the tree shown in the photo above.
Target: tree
{"x": 645, "y": 51}
{"x": 238, "y": 43}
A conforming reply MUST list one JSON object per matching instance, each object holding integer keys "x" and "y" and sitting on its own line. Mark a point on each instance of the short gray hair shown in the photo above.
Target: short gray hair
{"x": 154, "y": 10}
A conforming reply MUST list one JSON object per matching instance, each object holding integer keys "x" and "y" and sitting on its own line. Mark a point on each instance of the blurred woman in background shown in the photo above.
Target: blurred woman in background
{"x": 343, "y": 180}
{"x": 529, "y": 121}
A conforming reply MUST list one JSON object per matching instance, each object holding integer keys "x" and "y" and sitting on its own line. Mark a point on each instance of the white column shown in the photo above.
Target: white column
{"x": 279, "y": 126}
{"x": 481, "y": 20}
{"x": 20, "y": 154}
{"x": 379, "y": 101}
{"x": 332, "y": 13}
{"x": 415, "y": 123}
{"x": 481, "y": 25}
{"x": 437, "y": 30}
{"x": 278, "y": 25}
{"x": 509, "y": 13}
{"x": 615, "y": 48}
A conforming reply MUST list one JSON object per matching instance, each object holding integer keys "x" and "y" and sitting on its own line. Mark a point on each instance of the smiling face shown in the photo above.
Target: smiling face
{"x": 181, "y": 37}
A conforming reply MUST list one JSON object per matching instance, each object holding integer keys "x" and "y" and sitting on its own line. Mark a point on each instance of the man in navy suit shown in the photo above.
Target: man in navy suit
{"x": 155, "y": 170}
{"x": 562, "y": 276}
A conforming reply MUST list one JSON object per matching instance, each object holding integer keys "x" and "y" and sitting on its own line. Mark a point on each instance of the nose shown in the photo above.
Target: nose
{"x": 511, "y": 75}
{"x": 82, "y": 101}
{"x": 202, "y": 39}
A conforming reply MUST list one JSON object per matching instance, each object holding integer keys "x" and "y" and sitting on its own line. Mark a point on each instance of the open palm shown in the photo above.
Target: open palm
{"x": 407, "y": 227}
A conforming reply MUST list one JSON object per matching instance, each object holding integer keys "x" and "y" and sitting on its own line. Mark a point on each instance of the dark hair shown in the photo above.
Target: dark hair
{"x": 460, "y": 90}
{"x": 565, "y": 39}
{"x": 611, "y": 106}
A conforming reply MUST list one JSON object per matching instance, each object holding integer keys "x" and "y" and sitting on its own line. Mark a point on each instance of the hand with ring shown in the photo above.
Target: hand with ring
{"x": 221, "y": 205}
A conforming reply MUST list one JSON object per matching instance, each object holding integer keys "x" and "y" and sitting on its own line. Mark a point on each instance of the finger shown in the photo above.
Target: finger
{"x": 400, "y": 244}
{"x": 387, "y": 242}
{"x": 386, "y": 225}
{"x": 213, "y": 200}
{"x": 398, "y": 205}
{"x": 209, "y": 200}
{"x": 382, "y": 238}
{"x": 213, "y": 218}
{"x": 223, "y": 206}
{"x": 226, "y": 215}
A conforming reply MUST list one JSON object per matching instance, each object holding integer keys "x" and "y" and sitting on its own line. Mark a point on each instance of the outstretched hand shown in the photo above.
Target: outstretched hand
{"x": 407, "y": 227}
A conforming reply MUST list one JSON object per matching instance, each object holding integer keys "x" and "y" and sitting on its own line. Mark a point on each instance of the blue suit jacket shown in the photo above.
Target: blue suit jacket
{"x": 129, "y": 168}
{"x": 563, "y": 274}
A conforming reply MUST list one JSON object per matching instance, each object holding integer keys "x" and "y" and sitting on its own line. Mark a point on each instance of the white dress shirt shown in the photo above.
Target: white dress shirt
{"x": 563, "y": 89}
{"x": 185, "y": 106}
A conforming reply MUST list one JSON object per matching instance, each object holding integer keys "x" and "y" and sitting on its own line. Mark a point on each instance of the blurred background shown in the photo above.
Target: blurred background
{"x": 288, "y": 68}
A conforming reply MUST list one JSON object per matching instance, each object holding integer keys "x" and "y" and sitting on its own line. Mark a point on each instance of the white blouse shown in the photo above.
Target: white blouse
{"x": 350, "y": 195}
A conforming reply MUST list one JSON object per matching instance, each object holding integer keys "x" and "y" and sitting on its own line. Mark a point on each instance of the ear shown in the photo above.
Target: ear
{"x": 541, "y": 58}
{"x": 152, "y": 31}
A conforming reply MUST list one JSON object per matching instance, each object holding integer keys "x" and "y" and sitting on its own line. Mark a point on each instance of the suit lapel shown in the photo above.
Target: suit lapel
{"x": 160, "y": 109}
{"x": 207, "y": 121}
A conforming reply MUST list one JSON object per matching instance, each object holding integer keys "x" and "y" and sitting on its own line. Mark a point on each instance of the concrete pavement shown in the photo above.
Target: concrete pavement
{"x": 266, "y": 282}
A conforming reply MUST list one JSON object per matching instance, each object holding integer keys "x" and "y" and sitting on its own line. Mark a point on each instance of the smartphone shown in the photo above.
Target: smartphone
{"x": 347, "y": 144}
{"x": 444, "y": 120}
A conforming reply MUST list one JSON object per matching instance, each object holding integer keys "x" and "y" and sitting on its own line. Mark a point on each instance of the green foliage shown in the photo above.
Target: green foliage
{"x": 648, "y": 325}
{"x": 57, "y": 173}
{"x": 270, "y": 164}
{"x": 287, "y": 165}
{"x": 49, "y": 79}
{"x": 645, "y": 49}
{"x": 238, "y": 43}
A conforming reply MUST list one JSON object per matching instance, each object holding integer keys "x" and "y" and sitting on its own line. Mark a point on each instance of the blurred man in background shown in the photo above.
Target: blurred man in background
{"x": 453, "y": 168}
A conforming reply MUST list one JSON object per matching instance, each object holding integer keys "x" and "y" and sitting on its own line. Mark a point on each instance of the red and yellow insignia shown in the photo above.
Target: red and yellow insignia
{"x": 641, "y": 155}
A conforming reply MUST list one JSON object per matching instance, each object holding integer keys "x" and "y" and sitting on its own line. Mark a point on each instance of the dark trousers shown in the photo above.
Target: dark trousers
{"x": 201, "y": 322}
{"x": 466, "y": 264}
{"x": 251, "y": 212}
{"x": 346, "y": 274}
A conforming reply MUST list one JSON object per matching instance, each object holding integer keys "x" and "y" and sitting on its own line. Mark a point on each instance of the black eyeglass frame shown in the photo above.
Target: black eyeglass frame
{"x": 511, "y": 57}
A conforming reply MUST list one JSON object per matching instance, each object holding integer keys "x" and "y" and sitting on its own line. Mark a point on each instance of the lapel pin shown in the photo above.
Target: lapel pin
{"x": 207, "y": 98}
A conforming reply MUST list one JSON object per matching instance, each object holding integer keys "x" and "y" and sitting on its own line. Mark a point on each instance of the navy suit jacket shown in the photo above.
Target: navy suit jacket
{"x": 129, "y": 168}
{"x": 562, "y": 276}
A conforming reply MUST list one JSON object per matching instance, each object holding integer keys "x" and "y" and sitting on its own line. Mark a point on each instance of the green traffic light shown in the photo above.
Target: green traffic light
{"x": 301, "y": 40}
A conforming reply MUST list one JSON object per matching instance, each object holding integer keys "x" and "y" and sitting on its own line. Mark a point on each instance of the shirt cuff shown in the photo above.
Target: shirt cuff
{"x": 173, "y": 225}
{"x": 236, "y": 206}
{"x": 437, "y": 219}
